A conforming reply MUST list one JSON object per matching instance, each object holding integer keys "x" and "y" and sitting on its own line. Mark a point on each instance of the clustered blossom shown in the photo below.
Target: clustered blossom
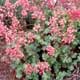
{"x": 62, "y": 22}
{"x": 50, "y": 50}
{"x": 52, "y": 21}
{"x": 24, "y": 13}
{"x": 51, "y": 3}
{"x": 30, "y": 37}
{"x": 21, "y": 39}
{"x": 74, "y": 14}
{"x": 54, "y": 29}
{"x": 69, "y": 35}
{"x": 40, "y": 68}
{"x": 68, "y": 4}
{"x": 36, "y": 27}
{"x": 28, "y": 69}
{"x": 10, "y": 30}
{"x": 38, "y": 14}
{"x": 2, "y": 29}
{"x": 24, "y": 3}
{"x": 48, "y": 29}
{"x": 57, "y": 25}
{"x": 14, "y": 53}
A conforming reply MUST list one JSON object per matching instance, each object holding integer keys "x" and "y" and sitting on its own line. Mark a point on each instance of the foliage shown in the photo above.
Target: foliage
{"x": 42, "y": 38}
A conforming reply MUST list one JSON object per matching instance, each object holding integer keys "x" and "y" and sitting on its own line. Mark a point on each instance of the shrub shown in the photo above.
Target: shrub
{"x": 40, "y": 38}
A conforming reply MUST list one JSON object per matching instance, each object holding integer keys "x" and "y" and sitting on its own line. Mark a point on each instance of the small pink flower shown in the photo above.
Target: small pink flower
{"x": 62, "y": 22}
{"x": 50, "y": 50}
{"x": 15, "y": 23}
{"x": 30, "y": 37}
{"x": 28, "y": 69}
{"x": 24, "y": 3}
{"x": 69, "y": 36}
{"x": 21, "y": 38}
{"x": 74, "y": 14}
{"x": 24, "y": 13}
{"x": 50, "y": 3}
{"x": 33, "y": 8}
{"x": 9, "y": 36}
{"x": 71, "y": 30}
{"x": 36, "y": 28}
{"x": 42, "y": 66}
{"x": 68, "y": 39}
{"x": 39, "y": 15}
{"x": 53, "y": 21}
{"x": 14, "y": 53}
{"x": 2, "y": 29}
{"x": 8, "y": 4}
{"x": 55, "y": 30}
{"x": 10, "y": 14}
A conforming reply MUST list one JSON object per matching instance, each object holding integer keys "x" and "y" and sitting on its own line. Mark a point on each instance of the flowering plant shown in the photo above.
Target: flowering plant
{"x": 40, "y": 39}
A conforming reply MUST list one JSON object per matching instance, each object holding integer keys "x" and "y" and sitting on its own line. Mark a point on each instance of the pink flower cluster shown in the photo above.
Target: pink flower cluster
{"x": 74, "y": 14}
{"x": 28, "y": 69}
{"x": 53, "y": 21}
{"x": 57, "y": 25}
{"x": 24, "y": 3}
{"x": 30, "y": 37}
{"x": 38, "y": 14}
{"x": 50, "y": 3}
{"x": 69, "y": 35}
{"x": 11, "y": 31}
{"x": 69, "y": 4}
{"x": 14, "y": 53}
{"x": 50, "y": 50}
{"x": 36, "y": 27}
{"x": 40, "y": 68}
{"x": 53, "y": 26}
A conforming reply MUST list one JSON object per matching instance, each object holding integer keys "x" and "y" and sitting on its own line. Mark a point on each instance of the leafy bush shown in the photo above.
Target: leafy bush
{"x": 41, "y": 38}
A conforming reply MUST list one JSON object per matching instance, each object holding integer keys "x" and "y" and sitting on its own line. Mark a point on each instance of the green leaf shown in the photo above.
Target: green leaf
{"x": 65, "y": 49}
{"x": 33, "y": 76}
{"x": 15, "y": 63}
{"x": 51, "y": 60}
{"x": 58, "y": 52}
{"x": 18, "y": 74}
{"x": 60, "y": 75}
{"x": 75, "y": 42}
{"x": 79, "y": 58}
{"x": 33, "y": 59}
{"x": 58, "y": 39}
{"x": 46, "y": 30}
{"x": 69, "y": 60}
{"x": 13, "y": 1}
{"x": 45, "y": 56}
{"x": 19, "y": 70}
{"x": 56, "y": 66}
{"x": 2, "y": 2}
{"x": 74, "y": 55}
{"x": 71, "y": 68}
{"x": 46, "y": 76}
